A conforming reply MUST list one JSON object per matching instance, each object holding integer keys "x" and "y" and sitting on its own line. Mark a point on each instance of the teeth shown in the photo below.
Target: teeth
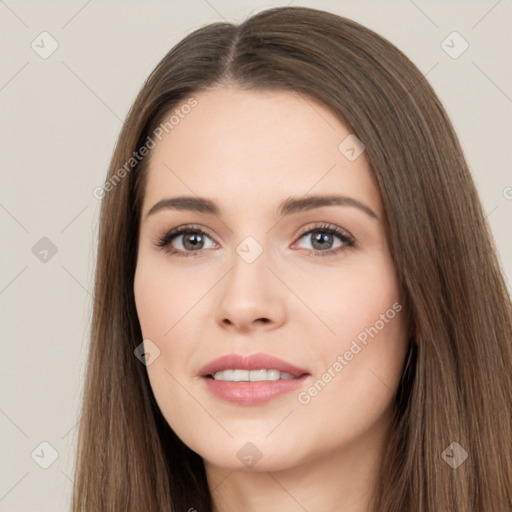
{"x": 251, "y": 375}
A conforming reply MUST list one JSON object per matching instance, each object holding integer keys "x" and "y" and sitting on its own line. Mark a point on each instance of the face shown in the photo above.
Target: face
{"x": 268, "y": 275}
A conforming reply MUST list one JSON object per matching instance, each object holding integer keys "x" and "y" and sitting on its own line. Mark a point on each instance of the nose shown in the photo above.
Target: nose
{"x": 252, "y": 297}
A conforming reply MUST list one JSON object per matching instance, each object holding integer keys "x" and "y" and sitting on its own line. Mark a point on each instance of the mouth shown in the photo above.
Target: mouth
{"x": 260, "y": 375}
{"x": 251, "y": 368}
{"x": 253, "y": 379}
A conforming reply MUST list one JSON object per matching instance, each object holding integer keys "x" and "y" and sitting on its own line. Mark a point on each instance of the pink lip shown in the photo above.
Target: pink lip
{"x": 251, "y": 393}
{"x": 252, "y": 362}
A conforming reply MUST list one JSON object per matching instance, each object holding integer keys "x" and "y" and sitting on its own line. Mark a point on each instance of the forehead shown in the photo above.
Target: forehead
{"x": 253, "y": 146}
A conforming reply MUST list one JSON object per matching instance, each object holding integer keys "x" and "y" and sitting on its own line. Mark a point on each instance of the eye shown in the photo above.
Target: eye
{"x": 324, "y": 240}
{"x": 190, "y": 239}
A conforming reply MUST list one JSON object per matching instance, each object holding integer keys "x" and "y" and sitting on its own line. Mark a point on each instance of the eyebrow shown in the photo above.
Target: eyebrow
{"x": 287, "y": 207}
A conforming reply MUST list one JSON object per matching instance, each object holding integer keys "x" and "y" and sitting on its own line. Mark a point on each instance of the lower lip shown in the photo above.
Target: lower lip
{"x": 252, "y": 393}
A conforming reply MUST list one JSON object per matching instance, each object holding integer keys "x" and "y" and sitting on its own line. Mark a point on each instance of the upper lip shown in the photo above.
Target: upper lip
{"x": 250, "y": 362}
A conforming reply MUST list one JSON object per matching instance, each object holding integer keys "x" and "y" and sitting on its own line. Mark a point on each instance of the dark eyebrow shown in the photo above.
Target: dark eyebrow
{"x": 287, "y": 207}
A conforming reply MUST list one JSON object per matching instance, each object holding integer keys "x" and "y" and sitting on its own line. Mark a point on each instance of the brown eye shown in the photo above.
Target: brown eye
{"x": 324, "y": 238}
{"x": 184, "y": 241}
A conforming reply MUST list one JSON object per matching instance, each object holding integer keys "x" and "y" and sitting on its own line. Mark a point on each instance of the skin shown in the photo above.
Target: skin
{"x": 248, "y": 151}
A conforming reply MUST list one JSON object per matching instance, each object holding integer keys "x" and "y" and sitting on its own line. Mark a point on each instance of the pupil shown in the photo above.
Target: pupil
{"x": 321, "y": 238}
{"x": 192, "y": 241}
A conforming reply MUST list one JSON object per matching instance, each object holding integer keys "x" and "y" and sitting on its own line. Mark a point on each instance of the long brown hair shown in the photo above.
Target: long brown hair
{"x": 457, "y": 381}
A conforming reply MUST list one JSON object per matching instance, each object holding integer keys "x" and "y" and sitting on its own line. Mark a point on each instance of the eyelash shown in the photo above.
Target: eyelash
{"x": 164, "y": 241}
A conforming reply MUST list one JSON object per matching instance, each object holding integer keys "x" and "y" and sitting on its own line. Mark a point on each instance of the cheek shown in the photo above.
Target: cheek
{"x": 360, "y": 361}
{"x": 163, "y": 297}
{"x": 150, "y": 298}
{"x": 162, "y": 303}
{"x": 164, "y": 307}
{"x": 352, "y": 297}
{"x": 359, "y": 382}
{"x": 166, "y": 302}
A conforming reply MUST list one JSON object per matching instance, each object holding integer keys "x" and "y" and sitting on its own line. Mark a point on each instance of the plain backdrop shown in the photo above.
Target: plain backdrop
{"x": 60, "y": 117}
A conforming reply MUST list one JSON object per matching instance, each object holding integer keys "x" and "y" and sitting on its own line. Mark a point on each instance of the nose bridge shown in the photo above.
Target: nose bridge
{"x": 250, "y": 291}
{"x": 249, "y": 268}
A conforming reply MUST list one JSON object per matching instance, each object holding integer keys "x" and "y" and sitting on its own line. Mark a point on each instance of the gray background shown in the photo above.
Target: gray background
{"x": 60, "y": 117}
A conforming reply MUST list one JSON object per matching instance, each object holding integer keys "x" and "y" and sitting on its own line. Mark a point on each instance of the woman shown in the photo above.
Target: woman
{"x": 298, "y": 303}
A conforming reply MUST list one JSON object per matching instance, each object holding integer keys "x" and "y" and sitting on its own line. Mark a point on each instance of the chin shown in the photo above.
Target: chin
{"x": 251, "y": 460}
